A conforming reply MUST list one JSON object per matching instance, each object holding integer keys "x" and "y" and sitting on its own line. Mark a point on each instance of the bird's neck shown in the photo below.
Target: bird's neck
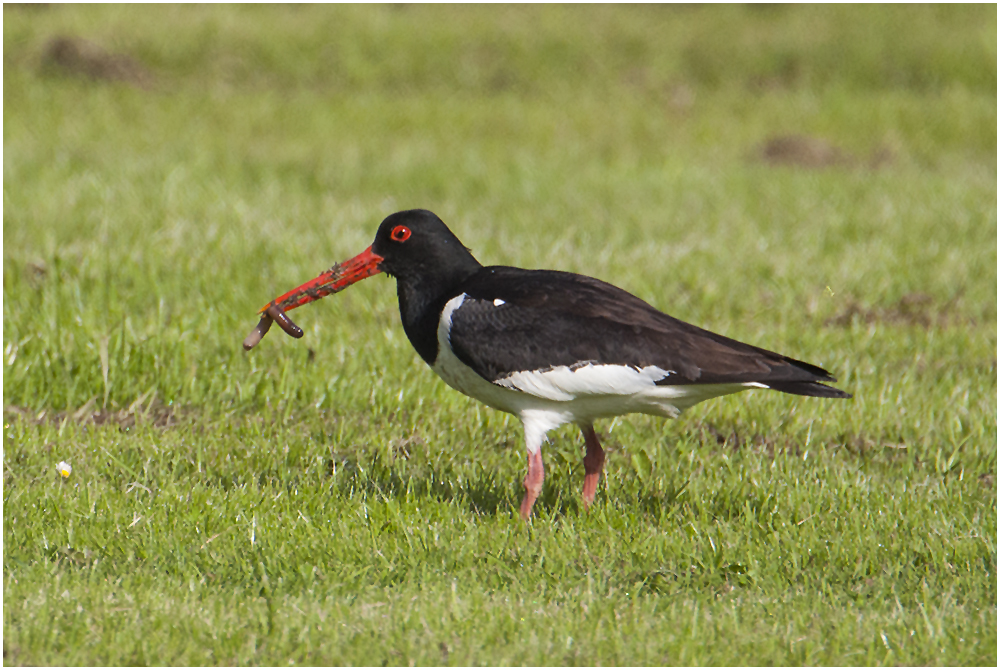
{"x": 421, "y": 299}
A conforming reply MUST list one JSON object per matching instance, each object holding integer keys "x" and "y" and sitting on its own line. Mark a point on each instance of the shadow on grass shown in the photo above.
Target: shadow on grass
{"x": 484, "y": 494}
{"x": 489, "y": 494}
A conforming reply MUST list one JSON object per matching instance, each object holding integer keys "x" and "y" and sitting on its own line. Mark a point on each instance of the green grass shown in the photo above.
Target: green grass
{"x": 330, "y": 501}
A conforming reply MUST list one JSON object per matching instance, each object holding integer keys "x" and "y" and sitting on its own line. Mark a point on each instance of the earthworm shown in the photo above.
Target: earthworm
{"x": 271, "y": 314}
{"x": 286, "y": 324}
{"x": 258, "y": 333}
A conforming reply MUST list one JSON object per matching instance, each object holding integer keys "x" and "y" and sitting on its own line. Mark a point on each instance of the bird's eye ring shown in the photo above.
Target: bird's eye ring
{"x": 400, "y": 234}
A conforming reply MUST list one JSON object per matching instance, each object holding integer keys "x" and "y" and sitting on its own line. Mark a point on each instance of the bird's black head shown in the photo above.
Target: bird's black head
{"x": 416, "y": 247}
{"x": 429, "y": 263}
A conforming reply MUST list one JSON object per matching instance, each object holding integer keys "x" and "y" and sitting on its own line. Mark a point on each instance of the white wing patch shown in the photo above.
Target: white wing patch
{"x": 563, "y": 383}
{"x": 498, "y": 302}
{"x": 444, "y": 325}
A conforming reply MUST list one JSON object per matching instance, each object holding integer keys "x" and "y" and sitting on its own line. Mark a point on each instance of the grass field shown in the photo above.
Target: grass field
{"x": 819, "y": 181}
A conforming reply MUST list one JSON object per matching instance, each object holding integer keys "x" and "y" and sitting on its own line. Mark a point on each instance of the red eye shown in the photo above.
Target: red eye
{"x": 400, "y": 234}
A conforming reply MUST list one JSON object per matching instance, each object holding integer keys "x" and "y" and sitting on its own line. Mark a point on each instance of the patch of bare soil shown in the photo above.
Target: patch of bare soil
{"x": 76, "y": 57}
{"x": 757, "y": 442}
{"x": 814, "y": 153}
{"x": 801, "y": 151}
{"x": 154, "y": 413}
{"x": 782, "y": 445}
{"x": 913, "y": 309}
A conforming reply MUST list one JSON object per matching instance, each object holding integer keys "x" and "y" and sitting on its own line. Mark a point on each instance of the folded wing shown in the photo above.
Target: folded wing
{"x": 537, "y": 320}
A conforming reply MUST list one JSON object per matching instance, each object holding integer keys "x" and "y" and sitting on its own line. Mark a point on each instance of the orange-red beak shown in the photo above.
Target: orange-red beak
{"x": 334, "y": 280}
{"x": 337, "y": 278}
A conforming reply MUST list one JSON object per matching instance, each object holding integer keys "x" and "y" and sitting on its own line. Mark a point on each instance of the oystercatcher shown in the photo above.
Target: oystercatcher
{"x": 548, "y": 347}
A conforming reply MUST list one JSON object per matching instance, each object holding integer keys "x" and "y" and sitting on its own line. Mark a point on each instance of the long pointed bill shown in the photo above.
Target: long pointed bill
{"x": 334, "y": 280}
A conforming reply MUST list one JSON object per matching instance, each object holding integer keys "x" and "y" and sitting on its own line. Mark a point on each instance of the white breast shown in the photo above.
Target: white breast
{"x": 460, "y": 376}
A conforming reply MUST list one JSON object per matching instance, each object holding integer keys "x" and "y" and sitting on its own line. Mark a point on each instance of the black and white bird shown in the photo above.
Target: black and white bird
{"x": 550, "y": 347}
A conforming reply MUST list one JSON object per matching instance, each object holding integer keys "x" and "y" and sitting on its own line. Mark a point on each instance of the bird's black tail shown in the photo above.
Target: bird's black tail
{"x": 808, "y": 388}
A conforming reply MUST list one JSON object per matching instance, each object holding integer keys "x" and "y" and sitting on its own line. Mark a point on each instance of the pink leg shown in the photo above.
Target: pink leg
{"x": 593, "y": 464}
{"x": 532, "y": 482}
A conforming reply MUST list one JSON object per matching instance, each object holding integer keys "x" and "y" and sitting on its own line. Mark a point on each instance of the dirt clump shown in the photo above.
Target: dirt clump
{"x": 913, "y": 309}
{"x": 77, "y": 57}
{"x": 801, "y": 151}
{"x": 814, "y": 153}
{"x": 155, "y": 414}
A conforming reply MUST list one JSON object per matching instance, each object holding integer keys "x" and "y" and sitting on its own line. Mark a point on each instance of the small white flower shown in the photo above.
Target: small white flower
{"x": 64, "y": 468}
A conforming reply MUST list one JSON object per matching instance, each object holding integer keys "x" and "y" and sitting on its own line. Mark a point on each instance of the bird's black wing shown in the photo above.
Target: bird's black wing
{"x": 515, "y": 320}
